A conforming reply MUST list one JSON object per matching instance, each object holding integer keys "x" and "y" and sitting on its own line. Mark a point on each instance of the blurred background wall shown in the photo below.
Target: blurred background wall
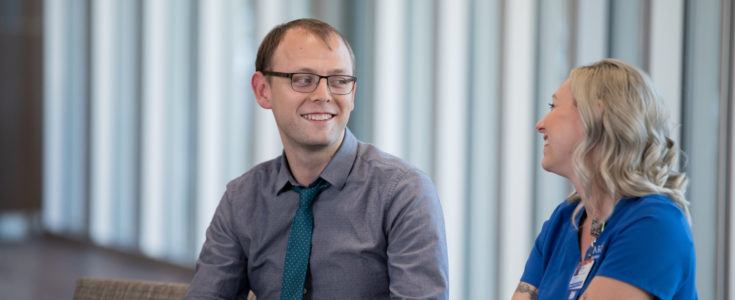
{"x": 144, "y": 112}
{"x": 21, "y": 70}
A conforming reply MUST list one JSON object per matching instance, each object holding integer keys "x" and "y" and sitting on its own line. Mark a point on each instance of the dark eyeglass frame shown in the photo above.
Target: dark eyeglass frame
{"x": 301, "y": 90}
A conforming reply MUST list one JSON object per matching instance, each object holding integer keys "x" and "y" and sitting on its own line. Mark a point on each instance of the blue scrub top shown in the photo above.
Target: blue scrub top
{"x": 647, "y": 242}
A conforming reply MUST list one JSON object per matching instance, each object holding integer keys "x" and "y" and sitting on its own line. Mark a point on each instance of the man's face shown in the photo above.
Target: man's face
{"x": 307, "y": 121}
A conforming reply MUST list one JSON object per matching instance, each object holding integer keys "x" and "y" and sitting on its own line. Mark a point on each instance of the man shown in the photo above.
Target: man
{"x": 331, "y": 218}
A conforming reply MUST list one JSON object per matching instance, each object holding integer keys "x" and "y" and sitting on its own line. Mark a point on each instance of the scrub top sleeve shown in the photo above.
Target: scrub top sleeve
{"x": 535, "y": 265}
{"x": 652, "y": 251}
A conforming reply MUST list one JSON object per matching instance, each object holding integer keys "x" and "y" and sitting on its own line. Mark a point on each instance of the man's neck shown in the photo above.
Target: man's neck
{"x": 307, "y": 164}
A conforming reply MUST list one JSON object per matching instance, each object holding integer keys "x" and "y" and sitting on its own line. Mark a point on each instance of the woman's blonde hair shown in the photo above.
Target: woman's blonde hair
{"x": 627, "y": 150}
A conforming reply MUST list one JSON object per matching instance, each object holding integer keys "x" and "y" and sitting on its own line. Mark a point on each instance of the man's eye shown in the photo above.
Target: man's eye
{"x": 303, "y": 80}
{"x": 342, "y": 81}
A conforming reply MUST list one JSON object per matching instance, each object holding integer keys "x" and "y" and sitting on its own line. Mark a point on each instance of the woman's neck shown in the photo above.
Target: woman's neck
{"x": 598, "y": 205}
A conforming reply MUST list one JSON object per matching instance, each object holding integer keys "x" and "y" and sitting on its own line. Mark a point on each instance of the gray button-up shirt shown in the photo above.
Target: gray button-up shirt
{"x": 378, "y": 232}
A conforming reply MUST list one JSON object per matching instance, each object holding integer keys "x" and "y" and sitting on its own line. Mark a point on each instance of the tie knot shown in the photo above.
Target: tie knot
{"x": 307, "y": 194}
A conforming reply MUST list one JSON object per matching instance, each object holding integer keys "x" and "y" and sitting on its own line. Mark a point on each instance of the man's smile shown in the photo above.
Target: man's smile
{"x": 318, "y": 116}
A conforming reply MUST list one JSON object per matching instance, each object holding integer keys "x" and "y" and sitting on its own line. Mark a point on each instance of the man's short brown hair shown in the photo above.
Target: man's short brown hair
{"x": 271, "y": 41}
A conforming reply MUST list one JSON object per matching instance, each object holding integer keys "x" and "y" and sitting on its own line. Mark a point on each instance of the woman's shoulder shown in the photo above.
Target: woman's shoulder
{"x": 655, "y": 214}
{"x": 654, "y": 206}
{"x": 562, "y": 214}
{"x": 649, "y": 245}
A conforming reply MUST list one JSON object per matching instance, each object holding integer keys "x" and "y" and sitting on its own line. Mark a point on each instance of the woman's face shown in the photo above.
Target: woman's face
{"x": 562, "y": 130}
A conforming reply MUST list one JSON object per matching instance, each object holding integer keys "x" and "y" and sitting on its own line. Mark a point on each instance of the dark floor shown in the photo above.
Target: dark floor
{"x": 47, "y": 267}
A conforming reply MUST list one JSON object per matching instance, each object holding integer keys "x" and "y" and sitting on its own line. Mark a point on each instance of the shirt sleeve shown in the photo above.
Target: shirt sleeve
{"x": 221, "y": 267}
{"x": 653, "y": 251}
{"x": 417, "y": 249}
{"x": 535, "y": 265}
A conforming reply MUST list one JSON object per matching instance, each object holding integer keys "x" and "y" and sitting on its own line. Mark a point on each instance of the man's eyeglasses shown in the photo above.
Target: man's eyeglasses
{"x": 307, "y": 82}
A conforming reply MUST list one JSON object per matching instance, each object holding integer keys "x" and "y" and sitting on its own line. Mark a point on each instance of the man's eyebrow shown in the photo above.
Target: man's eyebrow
{"x": 305, "y": 70}
{"x": 331, "y": 72}
{"x": 337, "y": 72}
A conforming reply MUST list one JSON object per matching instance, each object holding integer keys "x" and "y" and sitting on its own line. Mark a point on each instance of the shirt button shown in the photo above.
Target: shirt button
{"x": 305, "y": 291}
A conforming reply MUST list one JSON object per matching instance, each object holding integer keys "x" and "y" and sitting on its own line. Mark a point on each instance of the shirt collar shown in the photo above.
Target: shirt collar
{"x": 336, "y": 171}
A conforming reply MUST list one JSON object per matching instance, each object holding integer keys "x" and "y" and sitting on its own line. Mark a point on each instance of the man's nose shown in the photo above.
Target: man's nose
{"x": 322, "y": 91}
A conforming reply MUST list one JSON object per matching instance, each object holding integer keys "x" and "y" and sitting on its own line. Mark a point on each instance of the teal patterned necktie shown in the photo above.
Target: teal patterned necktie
{"x": 299, "y": 242}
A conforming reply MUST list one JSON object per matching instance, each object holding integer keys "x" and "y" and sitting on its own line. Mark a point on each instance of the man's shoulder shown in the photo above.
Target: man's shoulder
{"x": 258, "y": 175}
{"x": 382, "y": 163}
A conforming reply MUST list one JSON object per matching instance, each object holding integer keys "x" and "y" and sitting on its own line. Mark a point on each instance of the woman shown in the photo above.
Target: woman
{"x": 624, "y": 233}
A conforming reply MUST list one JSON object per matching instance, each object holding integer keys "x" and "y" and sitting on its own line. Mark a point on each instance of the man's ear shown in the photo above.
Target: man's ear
{"x": 261, "y": 89}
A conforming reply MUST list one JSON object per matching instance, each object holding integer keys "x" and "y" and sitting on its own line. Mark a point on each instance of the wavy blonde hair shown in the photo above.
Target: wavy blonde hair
{"x": 626, "y": 150}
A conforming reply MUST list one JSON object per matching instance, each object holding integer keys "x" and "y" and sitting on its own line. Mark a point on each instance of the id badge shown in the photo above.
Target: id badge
{"x": 580, "y": 276}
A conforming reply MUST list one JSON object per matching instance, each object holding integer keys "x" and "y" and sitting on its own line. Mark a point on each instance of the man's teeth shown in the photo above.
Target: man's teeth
{"x": 317, "y": 117}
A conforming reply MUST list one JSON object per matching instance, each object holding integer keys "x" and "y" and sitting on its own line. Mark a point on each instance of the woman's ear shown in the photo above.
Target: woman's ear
{"x": 261, "y": 90}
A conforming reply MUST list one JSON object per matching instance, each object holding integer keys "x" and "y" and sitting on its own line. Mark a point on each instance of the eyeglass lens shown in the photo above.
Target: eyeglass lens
{"x": 338, "y": 84}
